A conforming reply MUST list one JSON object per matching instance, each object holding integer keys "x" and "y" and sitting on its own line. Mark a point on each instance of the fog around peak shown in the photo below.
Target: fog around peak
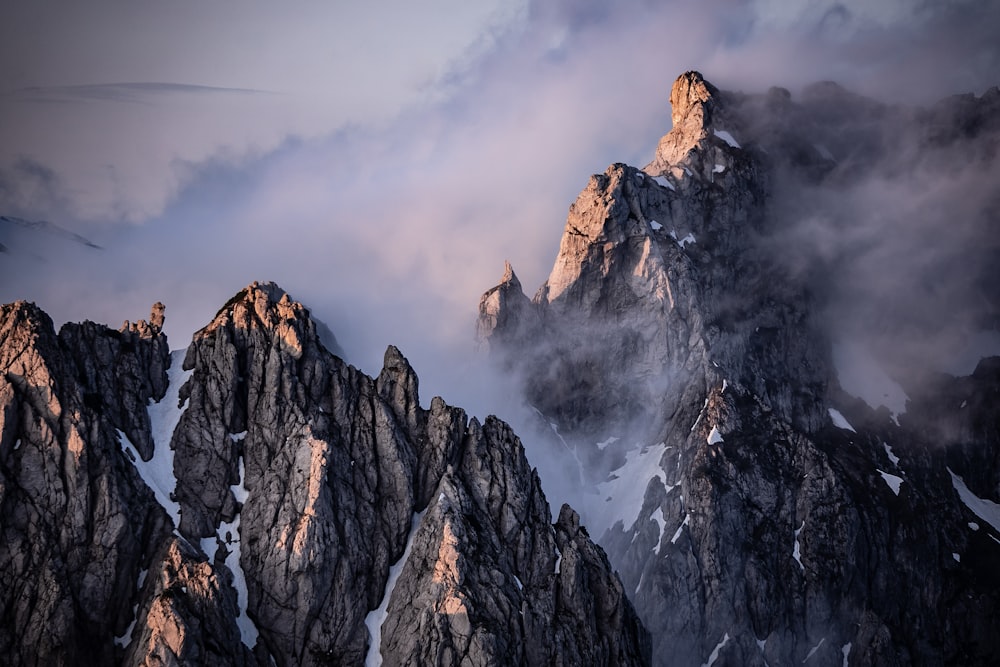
{"x": 388, "y": 196}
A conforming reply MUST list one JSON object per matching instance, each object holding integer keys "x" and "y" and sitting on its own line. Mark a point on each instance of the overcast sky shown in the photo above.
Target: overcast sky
{"x": 381, "y": 160}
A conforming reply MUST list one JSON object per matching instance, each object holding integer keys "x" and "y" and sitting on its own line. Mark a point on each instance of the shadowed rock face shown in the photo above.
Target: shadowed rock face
{"x": 769, "y": 533}
{"x": 299, "y": 482}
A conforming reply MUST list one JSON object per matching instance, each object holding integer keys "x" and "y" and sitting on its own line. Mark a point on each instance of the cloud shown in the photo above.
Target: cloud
{"x": 384, "y": 178}
{"x": 116, "y": 147}
{"x": 138, "y": 92}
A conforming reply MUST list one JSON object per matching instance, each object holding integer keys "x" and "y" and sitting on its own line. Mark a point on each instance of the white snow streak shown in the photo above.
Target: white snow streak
{"x": 839, "y": 421}
{"x": 846, "y": 650}
{"x": 126, "y": 637}
{"x": 715, "y": 652}
{"x": 987, "y": 510}
{"x": 796, "y": 551}
{"x": 664, "y": 182}
{"x": 158, "y": 472}
{"x": 677, "y": 535}
{"x": 620, "y": 497}
{"x": 973, "y": 525}
{"x": 655, "y": 225}
{"x": 892, "y": 480}
{"x": 698, "y": 420}
{"x": 815, "y": 648}
{"x": 888, "y": 452}
{"x": 728, "y": 138}
{"x": 240, "y": 490}
{"x": 229, "y": 534}
{"x": 714, "y": 437}
{"x": 958, "y": 559}
{"x": 376, "y": 617}
{"x": 661, "y": 522}
{"x": 687, "y": 239}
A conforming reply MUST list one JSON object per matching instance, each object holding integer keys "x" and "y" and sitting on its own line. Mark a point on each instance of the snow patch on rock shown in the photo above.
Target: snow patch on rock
{"x": 796, "y": 549}
{"x": 813, "y": 650}
{"x": 158, "y": 472}
{"x": 377, "y": 616}
{"x": 987, "y": 510}
{"x": 728, "y": 138}
{"x": 840, "y": 421}
{"x": 619, "y": 498}
{"x": 893, "y": 481}
{"x": 715, "y": 652}
{"x": 677, "y": 535}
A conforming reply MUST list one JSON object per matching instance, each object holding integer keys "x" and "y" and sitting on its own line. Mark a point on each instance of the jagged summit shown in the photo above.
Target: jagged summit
{"x": 503, "y": 309}
{"x": 758, "y": 514}
{"x": 656, "y": 289}
{"x": 266, "y": 305}
{"x": 702, "y": 142}
{"x": 265, "y": 503}
{"x": 259, "y": 303}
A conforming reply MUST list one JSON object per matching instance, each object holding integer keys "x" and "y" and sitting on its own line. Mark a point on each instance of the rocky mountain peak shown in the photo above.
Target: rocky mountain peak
{"x": 261, "y": 502}
{"x": 504, "y": 310}
{"x": 259, "y": 304}
{"x": 657, "y": 290}
{"x": 692, "y": 100}
{"x": 701, "y": 142}
{"x": 672, "y": 354}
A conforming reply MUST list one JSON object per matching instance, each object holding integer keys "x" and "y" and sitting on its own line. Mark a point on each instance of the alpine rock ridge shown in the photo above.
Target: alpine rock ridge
{"x": 254, "y": 499}
{"x": 257, "y": 501}
{"x": 759, "y": 513}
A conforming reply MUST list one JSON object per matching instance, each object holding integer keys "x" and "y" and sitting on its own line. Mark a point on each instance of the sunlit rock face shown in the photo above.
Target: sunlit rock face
{"x": 757, "y": 512}
{"x": 273, "y": 505}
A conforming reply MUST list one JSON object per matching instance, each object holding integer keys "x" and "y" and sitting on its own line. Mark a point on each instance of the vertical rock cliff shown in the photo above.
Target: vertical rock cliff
{"x": 758, "y": 513}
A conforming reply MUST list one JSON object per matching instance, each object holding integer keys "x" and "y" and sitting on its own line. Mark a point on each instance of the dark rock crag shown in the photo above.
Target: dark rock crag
{"x": 300, "y": 485}
{"x": 770, "y": 531}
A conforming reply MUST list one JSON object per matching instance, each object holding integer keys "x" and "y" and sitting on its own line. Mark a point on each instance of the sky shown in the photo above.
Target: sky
{"x": 381, "y": 160}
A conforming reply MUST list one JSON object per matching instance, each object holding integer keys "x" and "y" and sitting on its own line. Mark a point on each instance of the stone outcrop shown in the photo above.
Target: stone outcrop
{"x": 77, "y": 522}
{"x": 782, "y": 520}
{"x": 299, "y": 513}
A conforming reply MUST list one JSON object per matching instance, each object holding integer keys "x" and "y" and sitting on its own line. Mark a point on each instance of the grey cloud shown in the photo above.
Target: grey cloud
{"x": 122, "y": 92}
{"x": 390, "y": 231}
{"x": 30, "y": 188}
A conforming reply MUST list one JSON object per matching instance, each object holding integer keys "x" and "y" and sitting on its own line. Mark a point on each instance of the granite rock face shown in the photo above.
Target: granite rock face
{"x": 758, "y": 513}
{"x": 274, "y": 505}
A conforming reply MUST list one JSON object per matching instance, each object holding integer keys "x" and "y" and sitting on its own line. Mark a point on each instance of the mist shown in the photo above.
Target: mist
{"x": 388, "y": 204}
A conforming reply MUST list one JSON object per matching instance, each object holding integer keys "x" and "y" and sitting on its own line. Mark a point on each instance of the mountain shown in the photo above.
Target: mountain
{"x": 256, "y": 500}
{"x": 687, "y": 356}
{"x": 750, "y": 362}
